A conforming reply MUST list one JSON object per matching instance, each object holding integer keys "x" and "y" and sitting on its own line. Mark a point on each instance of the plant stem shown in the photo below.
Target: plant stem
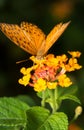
{"x": 43, "y": 99}
{"x": 53, "y": 96}
{"x": 54, "y": 100}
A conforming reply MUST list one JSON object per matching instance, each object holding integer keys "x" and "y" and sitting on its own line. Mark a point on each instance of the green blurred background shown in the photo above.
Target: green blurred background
{"x": 45, "y": 14}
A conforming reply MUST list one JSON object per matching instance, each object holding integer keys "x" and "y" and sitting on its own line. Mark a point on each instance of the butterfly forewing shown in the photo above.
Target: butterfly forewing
{"x": 19, "y": 37}
{"x": 36, "y": 34}
{"x": 53, "y": 36}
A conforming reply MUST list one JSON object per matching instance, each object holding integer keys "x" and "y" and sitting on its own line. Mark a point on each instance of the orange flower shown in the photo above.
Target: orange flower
{"x": 74, "y": 127}
{"x": 50, "y": 71}
{"x": 74, "y": 53}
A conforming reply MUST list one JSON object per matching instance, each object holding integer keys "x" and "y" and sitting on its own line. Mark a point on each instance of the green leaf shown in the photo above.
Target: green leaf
{"x": 69, "y": 90}
{"x": 12, "y": 114}
{"x": 40, "y": 94}
{"x": 27, "y": 99}
{"x": 41, "y": 119}
{"x": 71, "y": 97}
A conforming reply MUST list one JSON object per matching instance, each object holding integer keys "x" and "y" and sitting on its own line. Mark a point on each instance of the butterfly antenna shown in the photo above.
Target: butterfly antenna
{"x": 18, "y": 62}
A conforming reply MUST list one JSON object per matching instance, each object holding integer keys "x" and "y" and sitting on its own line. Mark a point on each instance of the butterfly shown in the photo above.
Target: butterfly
{"x": 31, "y": 38}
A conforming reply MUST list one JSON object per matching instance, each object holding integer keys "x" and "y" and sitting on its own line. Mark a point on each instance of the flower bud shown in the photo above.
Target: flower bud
{"x": 78, "y": 111}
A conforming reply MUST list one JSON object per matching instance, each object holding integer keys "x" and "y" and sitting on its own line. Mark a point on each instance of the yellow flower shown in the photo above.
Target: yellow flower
{"x": 62, "y": 58}
{"x": 50, "y": 60}
{"x": 25, "y": 80}
{"x": 72, "y": 65}
{"x": 48, "y": 69}
{"x": 36, "y": 61}
{"x": 49, "y": 56}
{"x": 51, "y": 85}
{"x": 25, "y": 71}
{"x": 40, "y": 85}
{"x": 74, "y": 53}
{"x": 64, "y": 81}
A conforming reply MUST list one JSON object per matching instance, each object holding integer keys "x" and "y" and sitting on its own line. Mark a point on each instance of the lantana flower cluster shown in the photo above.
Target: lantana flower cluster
{"x": 50, "y": 71}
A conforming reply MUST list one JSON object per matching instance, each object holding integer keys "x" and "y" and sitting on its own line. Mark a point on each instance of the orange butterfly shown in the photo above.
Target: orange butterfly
{"x": 32, "y": 39}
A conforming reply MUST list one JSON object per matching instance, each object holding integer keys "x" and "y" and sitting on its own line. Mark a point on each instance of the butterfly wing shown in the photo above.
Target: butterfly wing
{"x": 37, "y": 35}
{"x": 20, "y": 36}
{"x": 15, "y": 34}
{"x": 30, "y": 38}
{"x": 52, "y": 37}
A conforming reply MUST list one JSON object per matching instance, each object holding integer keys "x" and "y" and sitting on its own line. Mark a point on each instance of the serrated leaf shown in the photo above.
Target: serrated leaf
{"x": 27, "y": 99}
{"x": 41, "y": 119}
{"x": 71, "y": 97}
{"x": 69, "y": 90}
{"x": 12, "y": 114}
